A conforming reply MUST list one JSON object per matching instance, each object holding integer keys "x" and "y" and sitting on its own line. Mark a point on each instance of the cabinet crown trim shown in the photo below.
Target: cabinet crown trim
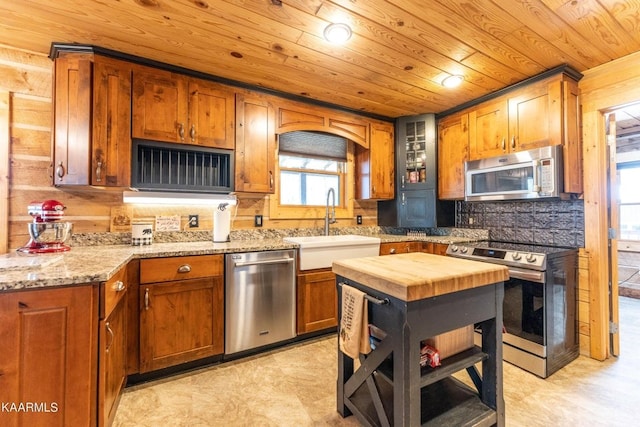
{"x": 560, "y": 69}
{"x": 58, "y": 47}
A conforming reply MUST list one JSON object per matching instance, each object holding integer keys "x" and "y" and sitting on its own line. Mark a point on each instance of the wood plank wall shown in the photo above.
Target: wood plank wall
{"x": 27, "y": 77}
{"x": 584, "y": 331}
{"x": 4, "y": 168}
{"x": 603, "y": 88}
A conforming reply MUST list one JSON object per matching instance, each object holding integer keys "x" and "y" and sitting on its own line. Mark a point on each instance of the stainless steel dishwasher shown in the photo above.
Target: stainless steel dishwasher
{"x": 260, "y": 299}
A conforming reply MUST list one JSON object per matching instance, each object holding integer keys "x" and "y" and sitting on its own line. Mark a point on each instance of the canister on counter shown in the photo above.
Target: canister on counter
{"x": 141, "y": 233}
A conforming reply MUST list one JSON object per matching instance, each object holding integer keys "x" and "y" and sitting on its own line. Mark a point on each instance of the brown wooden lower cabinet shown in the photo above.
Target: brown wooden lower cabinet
{"x": 181, "y": 310}
{"x": 434, "y": 248}
{"x": 113, "y": 375}
{"x": 391, "y": 248}
{"x": 180, "y": 321}
{"x": 112, "y": 356}
{"x": 48, "y": 356}
{"x": 317, "y": 301}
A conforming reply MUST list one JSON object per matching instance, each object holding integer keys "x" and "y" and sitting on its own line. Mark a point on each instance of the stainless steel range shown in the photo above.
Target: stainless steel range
{"x": 540, "y": 302}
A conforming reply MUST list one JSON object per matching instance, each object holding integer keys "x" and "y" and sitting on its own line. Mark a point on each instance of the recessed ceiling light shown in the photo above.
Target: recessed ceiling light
{"x": 337, "y": 33}
{"x": 453, "y": 81}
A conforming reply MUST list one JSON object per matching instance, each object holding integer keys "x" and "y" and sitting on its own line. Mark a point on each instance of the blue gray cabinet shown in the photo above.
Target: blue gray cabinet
{"x": 416, "y": 204}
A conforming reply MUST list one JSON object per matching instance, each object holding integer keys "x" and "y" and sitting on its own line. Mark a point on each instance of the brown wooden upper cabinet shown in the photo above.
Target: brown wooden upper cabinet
{"x": 172, "y": 107}
{"x": 375, "y": 171}
{"x": 453, "y": 151}
{"x": 488, "y": 130}
{"x": 92, "y": 121}
{"x": 255, "y": 144}
{"x": 539, "y": 114}
{"x": 530, "y": 117}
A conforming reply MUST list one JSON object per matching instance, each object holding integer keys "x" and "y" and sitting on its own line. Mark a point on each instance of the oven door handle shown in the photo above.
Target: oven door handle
{"x": 530, "y": 275}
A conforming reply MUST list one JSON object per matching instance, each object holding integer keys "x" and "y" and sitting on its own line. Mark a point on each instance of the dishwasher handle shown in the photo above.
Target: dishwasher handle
{"x": 264, "y": 262}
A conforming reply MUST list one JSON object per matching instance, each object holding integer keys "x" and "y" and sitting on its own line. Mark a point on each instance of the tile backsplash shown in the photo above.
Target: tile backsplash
{"x": 553, "y": 223}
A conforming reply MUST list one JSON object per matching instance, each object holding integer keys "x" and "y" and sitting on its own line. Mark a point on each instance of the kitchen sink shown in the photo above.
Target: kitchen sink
{"x": 321, "y": 251}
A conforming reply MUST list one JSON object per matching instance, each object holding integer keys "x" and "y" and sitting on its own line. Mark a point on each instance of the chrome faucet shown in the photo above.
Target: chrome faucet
{"x": 330, "y": 219}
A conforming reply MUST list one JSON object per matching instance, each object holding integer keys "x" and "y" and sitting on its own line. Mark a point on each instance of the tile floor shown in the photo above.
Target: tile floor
{"x": 295, "y": 386}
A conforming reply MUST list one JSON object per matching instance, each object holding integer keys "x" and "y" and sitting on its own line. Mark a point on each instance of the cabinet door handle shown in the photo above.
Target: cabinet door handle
{"x": 402, "y": 181}
{"x": 271, "y": 180}
{"x": 184, "y": 268}
{"x": 403, "y": 199}
{"x": 504, "y": 144}
{"x": 513, "y": 142}
{"x": 146, "y": 299}
{"x": 98, "y": 171}
{"x": 60, "y": 170}
{"x": 181, "y": 131}
{"x": 107, "y": 325}
{"x": 192, "y": 133}
{"x": 119, "y": 286}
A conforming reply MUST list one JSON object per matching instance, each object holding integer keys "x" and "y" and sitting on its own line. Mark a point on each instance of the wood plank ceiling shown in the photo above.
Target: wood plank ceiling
{"x": 393, "y": 65}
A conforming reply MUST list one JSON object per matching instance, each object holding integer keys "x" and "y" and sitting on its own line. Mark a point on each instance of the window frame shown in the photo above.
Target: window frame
{"x": 344, "y": 207}
{"x": 620, "y": 167}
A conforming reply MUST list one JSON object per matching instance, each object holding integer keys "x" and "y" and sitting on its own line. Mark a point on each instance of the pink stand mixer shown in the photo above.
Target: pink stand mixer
{"x": 47, "y": 233}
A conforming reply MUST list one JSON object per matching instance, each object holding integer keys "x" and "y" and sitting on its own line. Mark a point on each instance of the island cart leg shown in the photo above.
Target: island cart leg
{"x": 406, "y": 374}
{"x": 492, "y": 367}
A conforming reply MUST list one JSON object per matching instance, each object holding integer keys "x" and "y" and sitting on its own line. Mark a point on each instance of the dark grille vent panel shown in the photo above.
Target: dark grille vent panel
{"x": 161, "y": 166}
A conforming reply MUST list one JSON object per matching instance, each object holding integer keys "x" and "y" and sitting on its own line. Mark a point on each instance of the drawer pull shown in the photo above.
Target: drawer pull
{"x": 184, "y": 268}
{"x": 99, "y": 171}
{"x": 111, "y": 336}
{"x": 146, "y": 299}
{"x": 119, "y": 286}
{"x": 392, "y": 251}
{"x": 60, "y": 170}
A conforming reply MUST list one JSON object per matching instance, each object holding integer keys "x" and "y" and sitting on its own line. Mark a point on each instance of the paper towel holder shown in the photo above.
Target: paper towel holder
{"x": 222, "y": 223}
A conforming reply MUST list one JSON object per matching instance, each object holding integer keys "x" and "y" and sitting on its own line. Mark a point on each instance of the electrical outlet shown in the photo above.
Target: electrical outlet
{"x": 193, "y": 221}
{"x": 257, "y": 221}
{"x": 359, "y": 219}
{"x": 470, "y": 221}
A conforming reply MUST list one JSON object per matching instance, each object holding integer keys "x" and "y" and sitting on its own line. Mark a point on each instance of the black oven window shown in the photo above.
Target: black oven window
{"x": 523, "y": 313}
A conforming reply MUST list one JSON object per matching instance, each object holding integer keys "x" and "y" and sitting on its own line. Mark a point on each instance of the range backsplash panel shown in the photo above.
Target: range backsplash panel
{"x": 552, "y": 223}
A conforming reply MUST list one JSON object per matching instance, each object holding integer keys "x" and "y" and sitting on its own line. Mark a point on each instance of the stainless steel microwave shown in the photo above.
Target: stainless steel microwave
{"x": 528, "y": 174}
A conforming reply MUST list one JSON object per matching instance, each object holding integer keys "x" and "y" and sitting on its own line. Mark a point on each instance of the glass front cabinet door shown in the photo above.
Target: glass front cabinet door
{"x": 416, "y": 152}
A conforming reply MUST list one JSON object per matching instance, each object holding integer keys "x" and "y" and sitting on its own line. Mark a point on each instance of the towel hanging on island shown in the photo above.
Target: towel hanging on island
{"x": 354, "y": 323}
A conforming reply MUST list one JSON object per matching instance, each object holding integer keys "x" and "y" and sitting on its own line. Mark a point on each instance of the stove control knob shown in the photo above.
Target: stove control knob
{"x": 464, "y": 249}
{"x": 516, "y": 256}
{"x": 454, "y": 249}
{"x": 531, "y": 258}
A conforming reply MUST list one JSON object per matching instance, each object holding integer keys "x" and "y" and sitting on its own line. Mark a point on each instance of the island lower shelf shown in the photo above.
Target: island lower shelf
{"x": 447, "y": 402}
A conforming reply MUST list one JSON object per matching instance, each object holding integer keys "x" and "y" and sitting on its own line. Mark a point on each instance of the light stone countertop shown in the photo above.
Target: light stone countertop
{"x": 86, "y": 264}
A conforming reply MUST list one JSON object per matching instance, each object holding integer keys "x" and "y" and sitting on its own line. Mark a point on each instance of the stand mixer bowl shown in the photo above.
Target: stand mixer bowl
{"x": 50, "y": 233}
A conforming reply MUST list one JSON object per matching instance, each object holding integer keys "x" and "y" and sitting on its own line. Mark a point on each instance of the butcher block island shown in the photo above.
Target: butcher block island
{"x": 409, "y": 299}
